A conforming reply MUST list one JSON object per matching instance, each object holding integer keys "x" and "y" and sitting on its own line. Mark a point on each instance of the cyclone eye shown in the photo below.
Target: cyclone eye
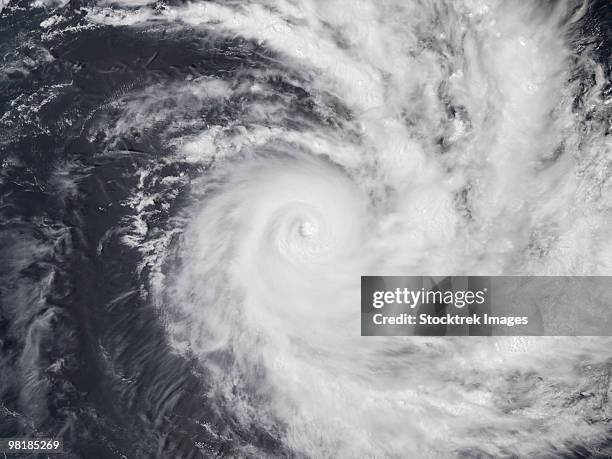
{"x": 308, "y": 229}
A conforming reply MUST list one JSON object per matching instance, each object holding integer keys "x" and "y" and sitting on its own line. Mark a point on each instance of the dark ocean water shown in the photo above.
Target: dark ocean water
{"x": 85, "y": 352}
{"x": 70, "y": 288}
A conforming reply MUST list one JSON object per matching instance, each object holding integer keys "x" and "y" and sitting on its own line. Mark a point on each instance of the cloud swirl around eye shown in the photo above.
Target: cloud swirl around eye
{"x": 399, "y": 139}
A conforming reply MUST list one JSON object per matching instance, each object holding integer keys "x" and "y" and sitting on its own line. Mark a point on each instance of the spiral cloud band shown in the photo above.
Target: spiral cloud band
{"x": 442, "y": 163}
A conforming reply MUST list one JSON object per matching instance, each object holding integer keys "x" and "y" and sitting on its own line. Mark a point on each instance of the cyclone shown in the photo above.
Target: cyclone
{"x": 192, "y": 191}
